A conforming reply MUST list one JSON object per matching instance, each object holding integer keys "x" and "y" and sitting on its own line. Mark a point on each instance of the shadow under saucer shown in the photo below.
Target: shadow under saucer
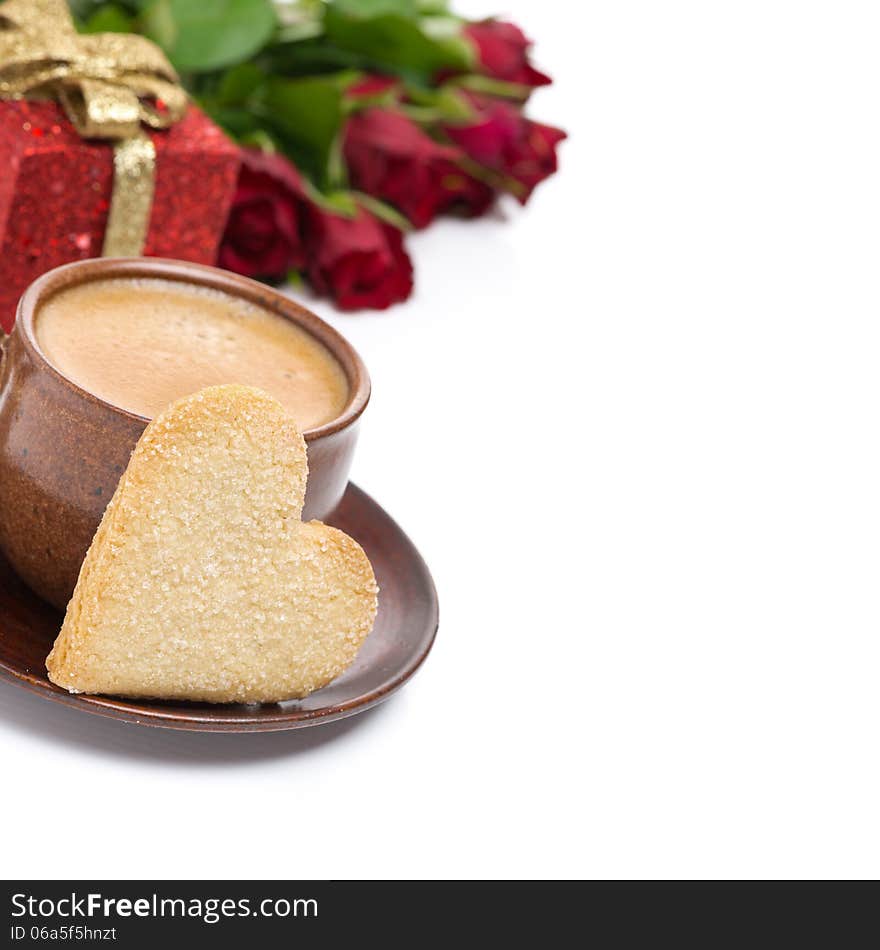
{"x": 402, "y": 637}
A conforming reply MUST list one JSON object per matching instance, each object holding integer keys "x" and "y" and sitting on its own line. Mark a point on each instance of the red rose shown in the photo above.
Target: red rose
{"x": 467, "y": 196}
{"x": 503, "y": 52}
{"x": 359, "y": 262}
{"x": 262, "y": 237}
{"x": 503, "y": 140}
{"x": 391, "y": 158}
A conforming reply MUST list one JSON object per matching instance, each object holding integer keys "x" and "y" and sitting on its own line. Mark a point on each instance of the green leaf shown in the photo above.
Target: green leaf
{"x": 443, "y": 28}
{"x": 382, "y": 211}
{"x": 84, "y": 9}
{"x": 395, "y": 42}
{"x": 301, "y": 20}
{"x": 201, "y": 35}
{"x": 108, "y": 19}
{"x": 372, "y": 8}
{"x": 310, "y": 58}
{"x": 81, "y": 9}
{"x": 260, "y": 139}
{"x": 308, "y": 115}
{"x": 339, "y": 202}
{"x": 493, "y": 87}
{"x": 302, "y": 30}
{"x": 444, "y": 103}
{"x": 159, "y": 24}
{"x": 240, "y": 83}
{"x": 238, "y": 122}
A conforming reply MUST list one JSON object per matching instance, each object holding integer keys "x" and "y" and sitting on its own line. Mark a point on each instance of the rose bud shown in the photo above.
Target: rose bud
{"x": 391, "y": 158}
{"x": 262, "y": 237}
{"x": 503, "y": 140}
{"x": 503, "y": 52}
{"x": 359, "y": 262}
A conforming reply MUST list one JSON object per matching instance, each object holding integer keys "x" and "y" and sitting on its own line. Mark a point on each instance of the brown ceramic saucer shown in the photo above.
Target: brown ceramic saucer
{"x": 400, "y": 641}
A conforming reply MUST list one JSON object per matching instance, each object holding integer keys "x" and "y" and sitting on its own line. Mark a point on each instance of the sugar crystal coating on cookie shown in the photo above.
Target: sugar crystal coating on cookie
{"x": 202, "y": 582}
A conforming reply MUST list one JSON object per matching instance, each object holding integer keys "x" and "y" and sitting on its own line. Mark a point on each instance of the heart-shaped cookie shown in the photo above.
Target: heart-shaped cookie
{"x": 202, "y": 582}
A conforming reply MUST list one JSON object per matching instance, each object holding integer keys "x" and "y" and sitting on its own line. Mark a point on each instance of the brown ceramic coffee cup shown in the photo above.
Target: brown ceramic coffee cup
{"x": 63, "y": 449}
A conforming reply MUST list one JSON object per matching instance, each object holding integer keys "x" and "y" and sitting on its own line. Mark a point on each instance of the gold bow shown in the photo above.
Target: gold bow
{"x": 108, "y": 84}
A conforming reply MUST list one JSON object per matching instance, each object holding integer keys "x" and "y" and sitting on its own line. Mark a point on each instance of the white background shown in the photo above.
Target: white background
{"x": 634, "y": 431}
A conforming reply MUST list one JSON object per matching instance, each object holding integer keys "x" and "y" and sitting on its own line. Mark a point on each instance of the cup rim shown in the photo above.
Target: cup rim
{"x": 83, "y": 271}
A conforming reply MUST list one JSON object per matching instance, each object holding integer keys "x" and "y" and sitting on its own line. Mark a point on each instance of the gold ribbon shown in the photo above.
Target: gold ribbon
{"x": 109, "y": 84}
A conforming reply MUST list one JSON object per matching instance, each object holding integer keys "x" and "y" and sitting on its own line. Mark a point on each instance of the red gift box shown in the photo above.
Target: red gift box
{"x": 55, "y": 192}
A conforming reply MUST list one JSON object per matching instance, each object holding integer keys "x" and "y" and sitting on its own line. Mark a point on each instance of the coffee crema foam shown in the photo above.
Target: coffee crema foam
{"x": 140, "y": 343}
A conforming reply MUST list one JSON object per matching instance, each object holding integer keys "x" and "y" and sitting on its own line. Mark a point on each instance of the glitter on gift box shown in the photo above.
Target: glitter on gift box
{"x": 55, "y": 191}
